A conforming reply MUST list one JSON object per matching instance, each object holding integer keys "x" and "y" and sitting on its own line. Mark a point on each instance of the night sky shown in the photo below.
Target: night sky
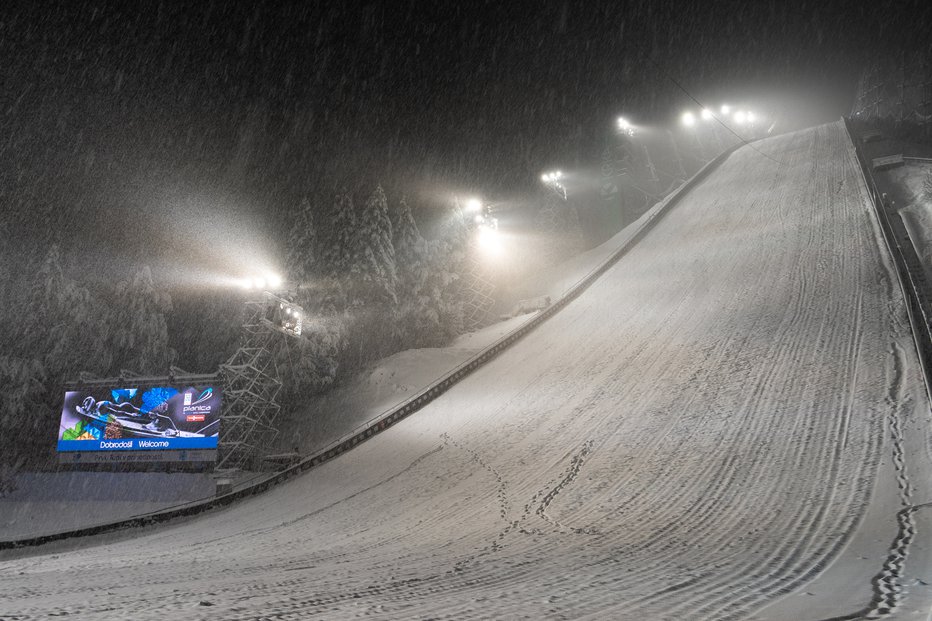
{"x": 220, "y": 115}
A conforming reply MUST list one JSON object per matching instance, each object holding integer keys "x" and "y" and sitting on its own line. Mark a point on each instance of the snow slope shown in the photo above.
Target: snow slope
{"x": 723, "y": 426}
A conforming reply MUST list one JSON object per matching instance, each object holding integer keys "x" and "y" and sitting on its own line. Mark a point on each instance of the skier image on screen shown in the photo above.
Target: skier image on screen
{"x": 133, "y": 420}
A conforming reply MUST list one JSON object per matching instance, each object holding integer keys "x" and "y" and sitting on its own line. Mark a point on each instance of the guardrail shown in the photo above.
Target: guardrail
{"x": 909, "y": 269}
{"x": 403, "y": 410}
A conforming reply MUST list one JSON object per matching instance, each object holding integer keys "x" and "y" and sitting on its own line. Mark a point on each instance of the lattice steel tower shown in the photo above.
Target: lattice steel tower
{"x": 252, "y": 381}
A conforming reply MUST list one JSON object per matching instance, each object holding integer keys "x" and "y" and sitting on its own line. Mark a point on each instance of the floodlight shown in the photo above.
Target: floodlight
{"x": 489, "y": 239}
{"x": 726, "y": 109}
{"x": 750, "y": 117}
{"x": 545, "y": 177}
{"x": 479, "y": 218}
{"x": 688, "y": 119}
{"x": 740, "y": 117}
{"x": 273, "y": 280}
{"x": 473, "y": 204}
{"x": 623, "y": 123}
{"x": 706, "y": 114}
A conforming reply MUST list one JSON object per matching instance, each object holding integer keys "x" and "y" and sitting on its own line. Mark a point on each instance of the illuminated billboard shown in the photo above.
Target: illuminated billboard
{"x": 140, "y": 419}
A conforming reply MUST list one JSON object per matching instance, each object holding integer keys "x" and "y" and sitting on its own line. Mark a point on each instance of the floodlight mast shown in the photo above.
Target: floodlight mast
{"x": 252, "y": 379}
{"x": 553, "y": 180}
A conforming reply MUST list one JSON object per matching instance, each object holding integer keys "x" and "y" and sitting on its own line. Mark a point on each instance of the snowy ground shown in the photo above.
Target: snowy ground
{"x": 723, "y": 426}
{"x": 50, "y": 502}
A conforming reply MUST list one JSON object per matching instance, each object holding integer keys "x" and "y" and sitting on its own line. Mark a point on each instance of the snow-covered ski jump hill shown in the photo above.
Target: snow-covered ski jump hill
{"x": 728, "y": 425}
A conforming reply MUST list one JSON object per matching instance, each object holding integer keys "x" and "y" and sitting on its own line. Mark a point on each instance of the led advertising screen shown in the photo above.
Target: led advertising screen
{"x": 140, "y": 419}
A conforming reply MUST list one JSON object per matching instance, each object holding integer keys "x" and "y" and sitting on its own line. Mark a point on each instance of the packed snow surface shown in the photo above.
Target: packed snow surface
{"x": 723, "y": 426}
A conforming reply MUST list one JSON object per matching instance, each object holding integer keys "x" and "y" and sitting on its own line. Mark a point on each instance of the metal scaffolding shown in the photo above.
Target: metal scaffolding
{"x": 252, "y": 382}
{"x": 479, "y": 288}
{"x": 558, "y": 222}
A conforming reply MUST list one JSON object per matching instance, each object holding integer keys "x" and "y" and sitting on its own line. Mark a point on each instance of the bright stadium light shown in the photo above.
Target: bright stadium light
{"x": 554, "y": 181}
{"x": 474, "y": 204}
{"x": 489, "y": 239}
{"x": 740, "y": 117}
{"x": 726, "y": 109}
{"x": 706, "y": 114}
{"x": 688, "y": 119}
{"x": 750, "y": 117}
{"x": 273, "y": 280}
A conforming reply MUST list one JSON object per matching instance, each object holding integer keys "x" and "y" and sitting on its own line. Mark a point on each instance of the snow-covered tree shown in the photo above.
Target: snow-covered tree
{"x": 25, "y": 418}
{"x": 205, "y": 329}
{"x": 308, "y": 364}
{"x": 419, "y": 286}
{"x": 45, "y": 305}
{"x": 302, "y": 261}
{"x": 6, "y": 274}
{"x": 373, "y": 270}
{"x": 410, "y": 250}
{"x": 440, "y": 301}
{"x": 61, "y": 325}
{"x": 139, "y": 326}
{"x": 339, "y": 246}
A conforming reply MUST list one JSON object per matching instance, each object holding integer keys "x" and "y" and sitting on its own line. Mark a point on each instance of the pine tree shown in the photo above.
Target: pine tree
{"x": 25, "y": 419}
{"x": 308, "y": 363}
{"x": 44, "y": 309}
{"x": 441, "y": 302}
{"x": 302, "y": 261}
{"x": 373, "y": 269}
{"x": 336, "y": 241}
{"x": 418, "y": 322}
{"x": 139, "y": 326}
{"x": 6, "y": 275}
{"x": 83, "y": 345}
{"x": 410, "y": 250}
{"x": 339, "y": 246}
